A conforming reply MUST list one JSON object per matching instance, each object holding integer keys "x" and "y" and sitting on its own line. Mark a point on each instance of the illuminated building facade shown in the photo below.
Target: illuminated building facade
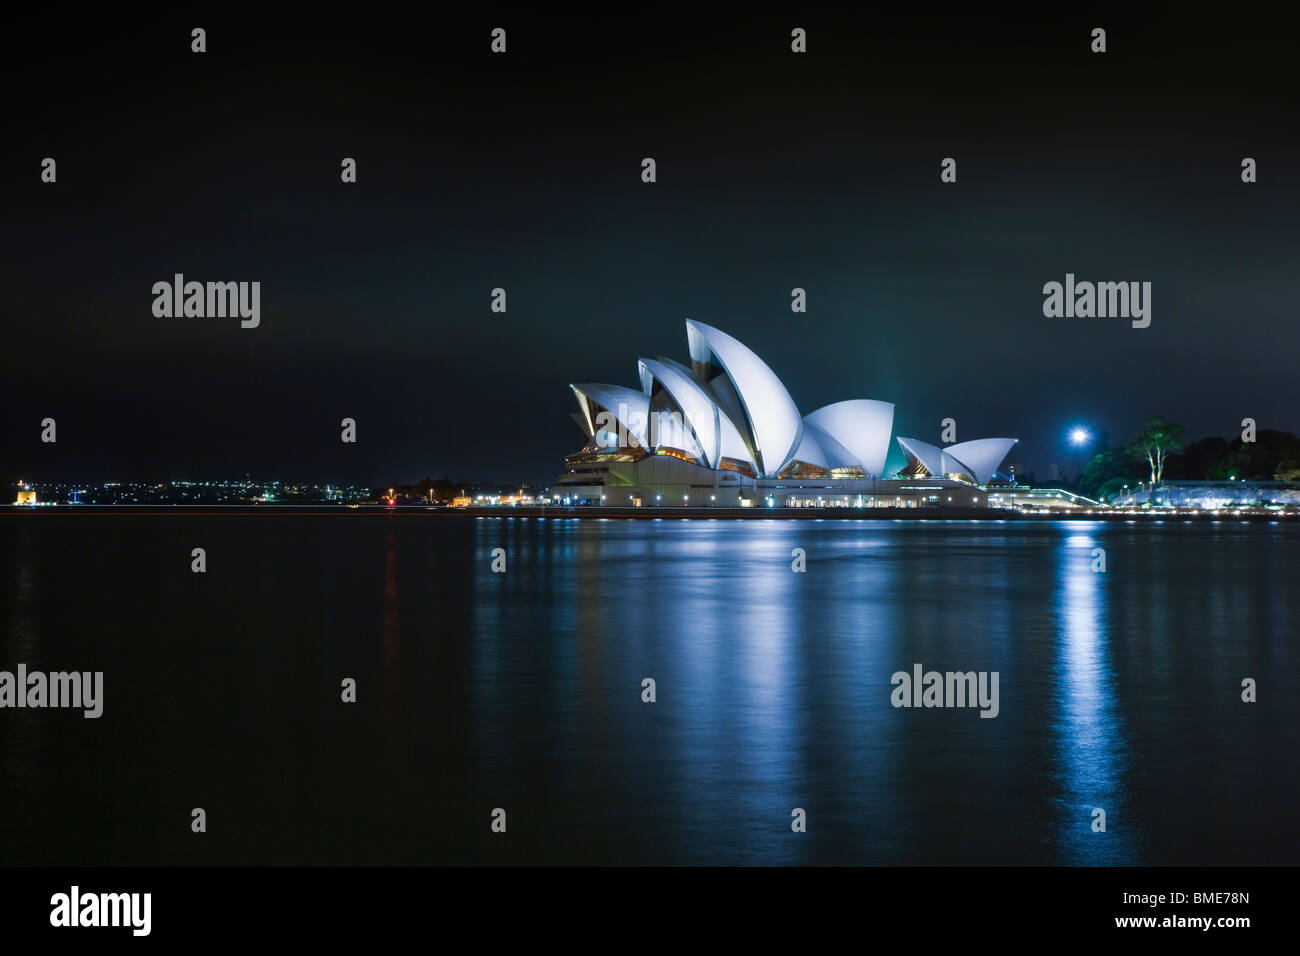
{"x": 724, "y": 432}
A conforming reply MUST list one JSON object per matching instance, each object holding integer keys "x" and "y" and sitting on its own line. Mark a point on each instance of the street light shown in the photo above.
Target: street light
{"x": 1079, "y": 437}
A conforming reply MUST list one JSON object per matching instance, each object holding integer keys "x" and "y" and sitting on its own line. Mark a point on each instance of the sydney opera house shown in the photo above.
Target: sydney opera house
{"x": 724, "y": 432}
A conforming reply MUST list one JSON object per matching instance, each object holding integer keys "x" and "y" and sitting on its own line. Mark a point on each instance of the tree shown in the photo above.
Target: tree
{"x": 1156, "y": 442}
{"x": 1197, "y": 460}
{"x": 1107, "y": 472}
{"x": 1260, "y": 460}
{"x": 1288, "y": 470}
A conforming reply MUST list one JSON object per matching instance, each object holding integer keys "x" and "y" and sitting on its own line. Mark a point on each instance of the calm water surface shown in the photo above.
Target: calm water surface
{"x": 522, "y": 690}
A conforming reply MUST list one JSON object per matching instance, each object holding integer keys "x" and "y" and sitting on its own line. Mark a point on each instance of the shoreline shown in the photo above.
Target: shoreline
{"x": 551, "y": 512}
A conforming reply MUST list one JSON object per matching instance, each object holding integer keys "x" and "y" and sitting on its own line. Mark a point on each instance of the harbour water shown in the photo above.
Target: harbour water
{"x": 1119, "y": 690}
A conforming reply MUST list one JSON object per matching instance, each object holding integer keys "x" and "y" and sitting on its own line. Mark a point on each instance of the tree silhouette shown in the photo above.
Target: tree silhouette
{"x": 1156, "y": 442}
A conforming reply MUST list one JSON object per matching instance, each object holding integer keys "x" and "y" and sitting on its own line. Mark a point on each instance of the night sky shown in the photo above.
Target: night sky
{"x": 522, "y": 171}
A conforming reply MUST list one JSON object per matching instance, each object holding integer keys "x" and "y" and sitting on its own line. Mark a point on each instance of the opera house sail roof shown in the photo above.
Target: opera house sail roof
{"x": 976, "y": 460}
{"x": 729, "y": 411}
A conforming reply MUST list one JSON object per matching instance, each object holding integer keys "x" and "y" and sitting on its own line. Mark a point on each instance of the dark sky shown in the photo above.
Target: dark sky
{"x": 522, "y": 171}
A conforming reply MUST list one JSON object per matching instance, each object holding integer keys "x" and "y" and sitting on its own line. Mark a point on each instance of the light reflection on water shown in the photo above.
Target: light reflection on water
{"x": 773, "y": 686}
{"x": 523, "y": 691}
{"x": 1090, "y": 741}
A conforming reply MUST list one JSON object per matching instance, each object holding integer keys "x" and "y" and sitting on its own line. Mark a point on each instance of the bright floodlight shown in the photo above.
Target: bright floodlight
{"x": 1079, "y": 436}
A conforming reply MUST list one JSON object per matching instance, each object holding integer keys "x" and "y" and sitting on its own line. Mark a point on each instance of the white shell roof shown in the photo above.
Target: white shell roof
{"x": 627, "y": 405}
{"x": 772, "y": 419}
{"x": 862, "y": 426}
{"x": 836, "y": 455}
{"x": 699, "y": 412}
{"x": 931, "y": 456}
{"x": 743, "y": 412}
{"x": 979, "y": 458}
{"x": 733, "y": 443}
{"x": 982, "y": 456}
{"x": 810, "y": 451}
